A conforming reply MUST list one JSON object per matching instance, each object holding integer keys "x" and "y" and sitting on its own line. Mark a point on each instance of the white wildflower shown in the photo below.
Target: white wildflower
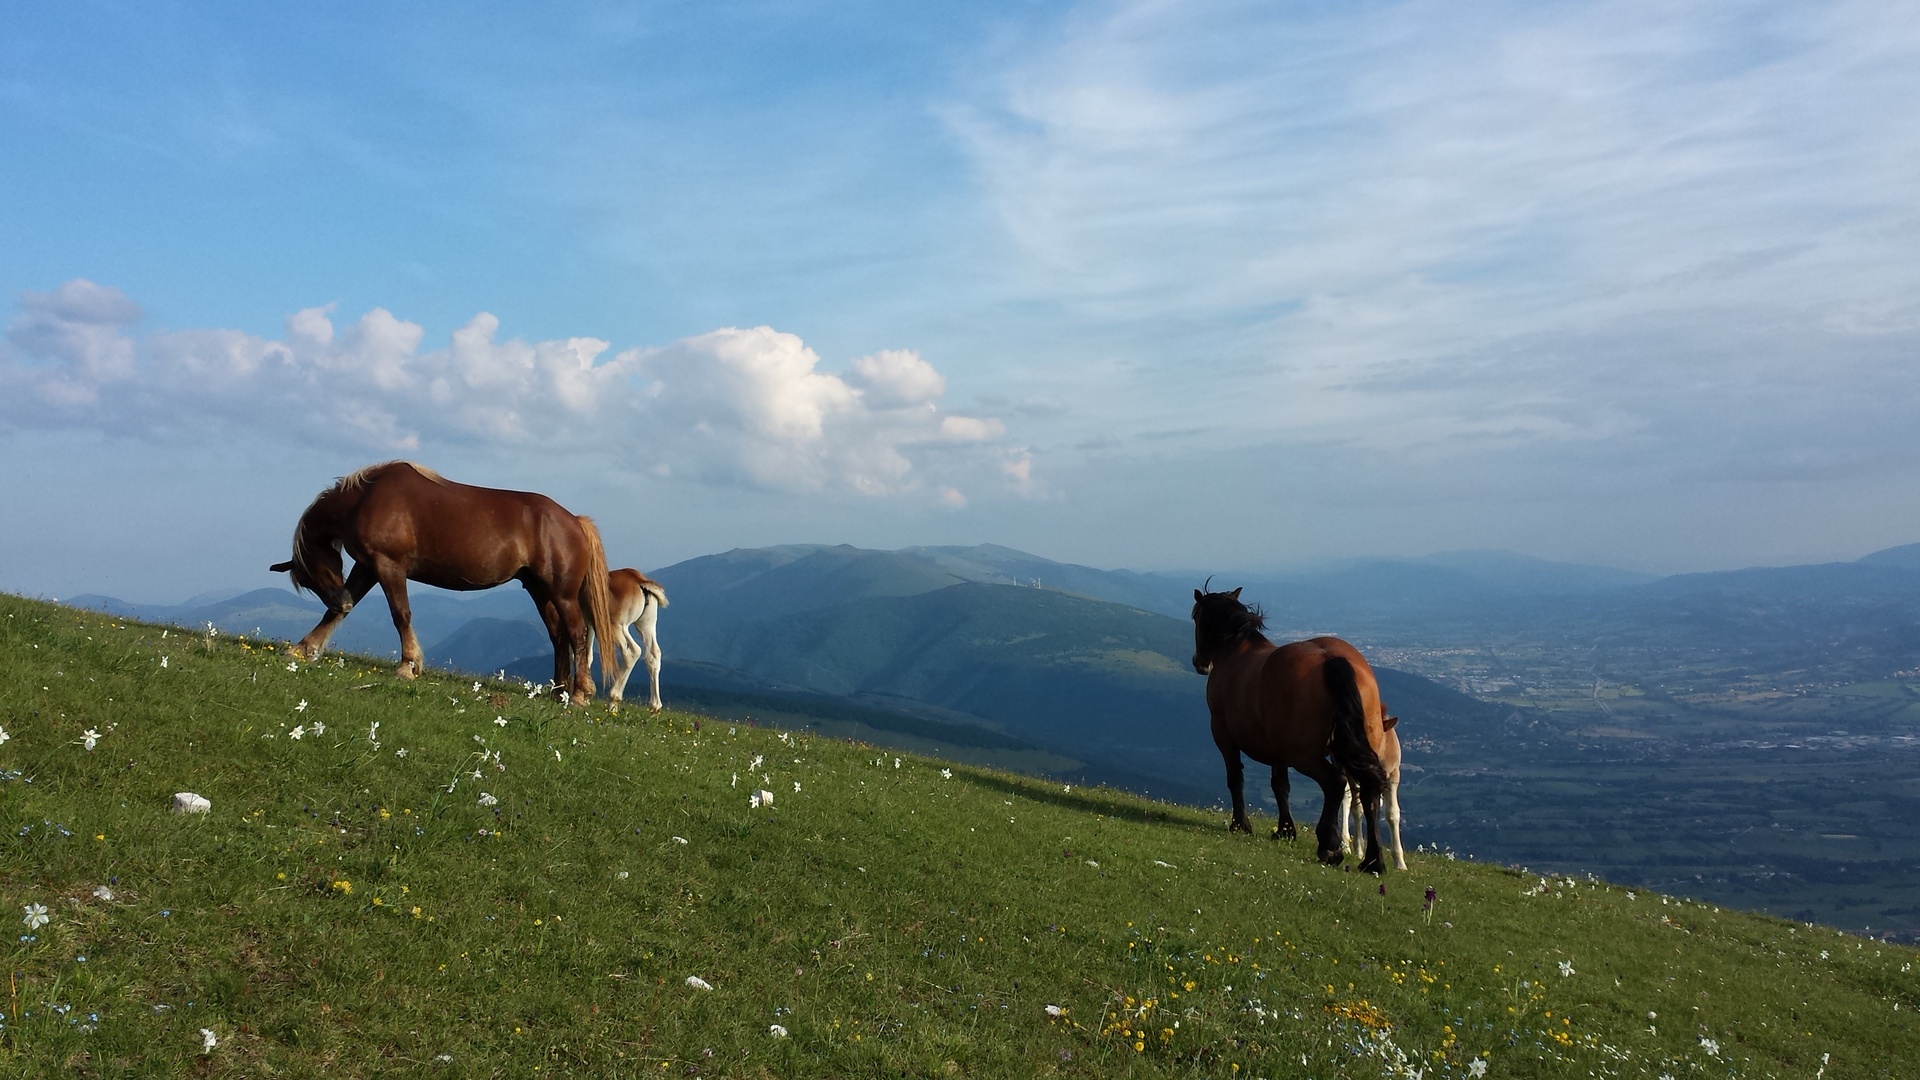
{"x": 1477, "y": 1068}
{"x": 163, "y": 661}
{"x": 476, "y": 688}
{"x": 373, "y": 731}
{"x": 1566, "y": 969}
{"x": 1093, "y": 864}
{"x": 36, "y": 916}
{"x": 556, "y": 755}
{"x": 698, "y": 983}
{"x": 622, "y": 875}
{"x": 777, "y": 1031}
{"x": 679, "y": 839}
{"x": 755, "y": 763}
{"x": 302, "y": 707}
{"x": 500, "y": 721}
{"x": 1711, "y": 1046}
{"x": 896, "y": 763}
{"x": 487, "y": 799}
{"x": 796, "y": 785}
{"x": 1629, "y": 894}
{"x": 3, "y": 735}
{"x": 293, "y": 665}
{"x": 208, "y": 1040}
{"x": 1055, "y": 1010}
{"x": 761, "y": 798}
{"x": 296, "y": 733}
{"x": 946, "y": 774}
{"x": 736, "y": 780}
{"x": 89, "y": 739}
{"x": 1168, "y": 865}
{"x": 402, "y": 752}
{"x": 103, "y": 892}
{"x": 318, "y": 728}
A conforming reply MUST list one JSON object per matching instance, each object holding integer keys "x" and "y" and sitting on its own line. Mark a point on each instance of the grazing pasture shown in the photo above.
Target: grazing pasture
{"x": 440, "y": 877}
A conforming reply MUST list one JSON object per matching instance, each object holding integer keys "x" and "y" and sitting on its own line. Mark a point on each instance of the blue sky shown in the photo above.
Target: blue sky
{"x": 1148, "y": 285}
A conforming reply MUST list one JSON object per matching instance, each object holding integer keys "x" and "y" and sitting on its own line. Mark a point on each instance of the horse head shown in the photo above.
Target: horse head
{"x": 1221, "y": 623}
{"x": 317, "y": 567}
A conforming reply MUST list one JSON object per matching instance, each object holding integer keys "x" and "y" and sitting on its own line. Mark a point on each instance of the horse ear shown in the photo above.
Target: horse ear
{"x": 1388, "y": 726}
{"x": 1196, "y": 595}
{"x": 1235, "y": 594}
{"x": 280, "y": 567}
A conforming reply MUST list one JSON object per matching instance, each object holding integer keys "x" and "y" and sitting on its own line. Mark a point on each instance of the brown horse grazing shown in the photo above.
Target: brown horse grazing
{"x": 637, "y": 600}
{"x": 1311, "y": 706}
{"x": 400, "y": 520}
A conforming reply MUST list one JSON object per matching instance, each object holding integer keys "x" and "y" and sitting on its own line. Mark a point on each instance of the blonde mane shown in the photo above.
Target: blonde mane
{"x": 353, "y": 481}
{"x": 359, "y": 478}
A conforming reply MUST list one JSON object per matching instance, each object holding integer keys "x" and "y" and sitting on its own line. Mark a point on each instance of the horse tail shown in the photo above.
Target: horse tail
{"x": 654, "y": 589}
{"x": 596, "y": 595}
{"x": 1350, "y": 749}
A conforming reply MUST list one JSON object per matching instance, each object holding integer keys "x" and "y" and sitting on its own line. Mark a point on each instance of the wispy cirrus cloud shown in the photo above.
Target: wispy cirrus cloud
{"x": 1625, "y": 230}
{"x": 736, "y": 406}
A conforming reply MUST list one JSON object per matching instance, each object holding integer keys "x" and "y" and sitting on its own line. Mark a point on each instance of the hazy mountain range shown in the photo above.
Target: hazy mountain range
{"x": 1751, "y": 735}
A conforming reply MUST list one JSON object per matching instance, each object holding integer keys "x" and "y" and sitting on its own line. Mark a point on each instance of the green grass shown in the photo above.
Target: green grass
{"x": 341, "y": 912}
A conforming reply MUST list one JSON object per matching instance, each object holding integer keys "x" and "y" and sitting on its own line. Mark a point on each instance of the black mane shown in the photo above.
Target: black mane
{"x": 1230, "y": 619}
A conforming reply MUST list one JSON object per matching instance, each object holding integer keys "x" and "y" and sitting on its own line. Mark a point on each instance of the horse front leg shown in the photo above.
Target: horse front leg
{"x": 358, "y": 583}
{"x": 1393, "y": 822}
{"x": 393, "y": 582}
{"x": 1285, "y": 829}
{"x": 1236, "y": 785}
{"x": 630, "y": 657}
{"x": 1346, "y": 819}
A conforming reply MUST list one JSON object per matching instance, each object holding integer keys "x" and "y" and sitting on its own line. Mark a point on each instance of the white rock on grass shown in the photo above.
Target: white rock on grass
{"x": 698, "y": 983}
{"x": 186, "y": 802}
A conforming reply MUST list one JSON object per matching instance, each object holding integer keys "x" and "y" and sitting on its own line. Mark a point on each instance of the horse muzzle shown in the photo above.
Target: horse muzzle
{"x": 1202, "y": 668}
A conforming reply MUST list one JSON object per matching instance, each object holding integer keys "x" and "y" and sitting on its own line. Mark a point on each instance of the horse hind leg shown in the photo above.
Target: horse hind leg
{"x": 1285, "y": 829}
{"x": 650, "y": 637}
{"x": 1333, "y": 791}
{"x": 1371, "y": 861}
{"x": 573, "y": 661}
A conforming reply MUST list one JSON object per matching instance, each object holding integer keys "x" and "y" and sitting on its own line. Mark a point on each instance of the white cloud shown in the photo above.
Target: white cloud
{"x": 733, "y": 406}
{"x": 893, "y": 377}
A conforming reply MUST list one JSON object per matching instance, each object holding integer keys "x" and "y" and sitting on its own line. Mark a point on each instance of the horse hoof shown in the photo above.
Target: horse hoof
{"x": 1240, "y": 826}
{"x": 408, "y": 670}
{"x": 1373, "y": 866}
{"x": 1333, "y": 857}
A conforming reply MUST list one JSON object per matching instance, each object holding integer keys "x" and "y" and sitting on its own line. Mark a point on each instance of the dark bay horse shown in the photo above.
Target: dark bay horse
{"x": 1311, "y": 706}
{"x": 400, "y": 520}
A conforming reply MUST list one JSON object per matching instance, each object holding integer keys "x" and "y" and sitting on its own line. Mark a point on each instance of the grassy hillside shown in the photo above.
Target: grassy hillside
{"x": 360, "y": 902}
